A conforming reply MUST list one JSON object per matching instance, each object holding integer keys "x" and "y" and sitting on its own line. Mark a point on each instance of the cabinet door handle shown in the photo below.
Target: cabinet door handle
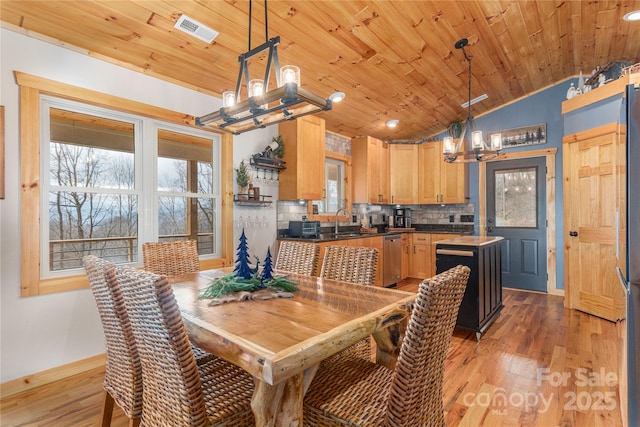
{"x": 573, "y": 233}
{"x": 414, "y": 249}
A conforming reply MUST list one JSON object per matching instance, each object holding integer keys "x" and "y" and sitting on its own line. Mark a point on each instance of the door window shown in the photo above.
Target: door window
{"x": 516, "y": 198}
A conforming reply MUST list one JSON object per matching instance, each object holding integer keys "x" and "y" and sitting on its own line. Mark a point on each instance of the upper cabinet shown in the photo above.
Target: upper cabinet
{"x": 438, "y": 181}
{"x": 404, "y": 173}
{"x": 370, "y": 157}
{"x": 304, "y": 146}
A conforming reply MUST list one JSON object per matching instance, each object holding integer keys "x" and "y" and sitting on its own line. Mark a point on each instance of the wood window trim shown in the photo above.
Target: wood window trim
{"x": 31, "y": 88}
{"x": 550, "y": 156}
{"x": 347, "y": 190}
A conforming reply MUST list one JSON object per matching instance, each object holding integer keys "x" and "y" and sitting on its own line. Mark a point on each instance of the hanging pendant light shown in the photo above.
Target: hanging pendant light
{"x": 475, "y": 149}
{"x": 264, "y": 107}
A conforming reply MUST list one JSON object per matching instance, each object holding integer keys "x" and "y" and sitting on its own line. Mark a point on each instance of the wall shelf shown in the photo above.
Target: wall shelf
{"x": 258, "y": 164}
{"x": 262, "y": 202}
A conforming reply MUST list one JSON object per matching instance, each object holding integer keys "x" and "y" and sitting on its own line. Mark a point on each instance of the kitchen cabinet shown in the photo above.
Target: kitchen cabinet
{"x": 403, "y": 173}
{"x": 405, "y": 255}
{"x": 420, "y": 255}
{"x": 439, "y": 181}
{"x": 370, "y": 169}
{"x": 435, "y": 238}
{"x": 304, "y": 147}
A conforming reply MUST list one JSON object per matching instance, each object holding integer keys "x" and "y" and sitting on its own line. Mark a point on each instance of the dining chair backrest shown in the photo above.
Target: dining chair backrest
{"x": 354, "y": 264}
{"x": 123, "y": 372}
{"x": 172, "y": 384}
{"x": 298, "y": 257}
{"x": 178, "y": 391}
{"x": 417, "y": 388}
{"x": 171, "y": 258}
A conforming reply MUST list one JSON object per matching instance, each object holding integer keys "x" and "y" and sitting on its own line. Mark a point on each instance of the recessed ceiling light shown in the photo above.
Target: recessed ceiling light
{"x": 337, "y": 96}
{"x": 392, "y": 123}
{"x": 632, "y": 16}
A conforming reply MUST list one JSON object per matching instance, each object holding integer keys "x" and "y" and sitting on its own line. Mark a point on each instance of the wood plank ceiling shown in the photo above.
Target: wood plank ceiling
{"x": 393, "y": 59}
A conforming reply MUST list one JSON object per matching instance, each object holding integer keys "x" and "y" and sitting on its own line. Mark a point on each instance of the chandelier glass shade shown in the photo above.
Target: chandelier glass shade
{"x": 470, "y": 146}
{"x": 264, "y": 107}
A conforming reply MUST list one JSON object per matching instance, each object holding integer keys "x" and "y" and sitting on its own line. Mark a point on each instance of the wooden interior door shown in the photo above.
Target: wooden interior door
{"x": 591, "y": 283}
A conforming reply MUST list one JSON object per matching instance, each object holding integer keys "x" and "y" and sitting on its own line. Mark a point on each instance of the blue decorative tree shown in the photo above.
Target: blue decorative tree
{"x": 243, "y": 269}
{"x": 267, "y": 270}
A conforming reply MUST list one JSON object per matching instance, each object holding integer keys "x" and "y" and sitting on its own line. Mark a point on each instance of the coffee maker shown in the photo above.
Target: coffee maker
{"x": 402, "y": 217}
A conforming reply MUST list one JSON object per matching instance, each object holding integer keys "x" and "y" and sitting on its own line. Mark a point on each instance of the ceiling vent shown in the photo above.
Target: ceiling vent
{"x": 196, "y": 29}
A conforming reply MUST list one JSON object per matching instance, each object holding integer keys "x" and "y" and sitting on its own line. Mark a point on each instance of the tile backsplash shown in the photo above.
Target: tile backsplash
{"x": 379, "y": 214}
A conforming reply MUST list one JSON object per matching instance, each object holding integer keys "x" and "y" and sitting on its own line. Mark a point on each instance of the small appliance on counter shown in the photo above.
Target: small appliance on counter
{"x": 304, "y": 229}
{"x": 402, "y": 217}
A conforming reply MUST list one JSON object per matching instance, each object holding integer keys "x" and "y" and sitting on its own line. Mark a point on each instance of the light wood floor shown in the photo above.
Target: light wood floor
{"x": 539, "y": 364}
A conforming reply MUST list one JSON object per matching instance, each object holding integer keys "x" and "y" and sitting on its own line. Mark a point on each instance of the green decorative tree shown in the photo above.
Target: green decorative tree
{"x": 242, "y": 269}
{"x": 267, "y": 270}
{"x": 278, "y": 151}
{"x": 242, "y": 175}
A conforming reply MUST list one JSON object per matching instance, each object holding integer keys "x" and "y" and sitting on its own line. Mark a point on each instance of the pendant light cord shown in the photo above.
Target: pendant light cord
{"x": 266, "y": 23}
{"x": 468, "y": 58}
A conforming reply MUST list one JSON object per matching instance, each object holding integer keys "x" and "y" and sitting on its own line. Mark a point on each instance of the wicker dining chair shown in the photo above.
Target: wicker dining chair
{"x": 171, "y": 258}
{"x": 123, "y": 373}
{"x": 178, "y": 392}
{"x": 297, "y": 257}
{"x": 353, "y": 264}
{"x": 352, "y": 391}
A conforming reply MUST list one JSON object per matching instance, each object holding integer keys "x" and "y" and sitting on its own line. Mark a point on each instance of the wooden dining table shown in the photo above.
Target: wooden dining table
{"x": 282, "y": 341}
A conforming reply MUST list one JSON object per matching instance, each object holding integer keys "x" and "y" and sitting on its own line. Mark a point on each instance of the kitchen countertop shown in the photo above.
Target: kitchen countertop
{"x": 348, "y": 235}
{"x": 471, "y": 240}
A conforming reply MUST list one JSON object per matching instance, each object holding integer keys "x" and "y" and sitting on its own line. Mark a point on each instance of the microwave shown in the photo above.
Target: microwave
{"x": 304, "y": 228}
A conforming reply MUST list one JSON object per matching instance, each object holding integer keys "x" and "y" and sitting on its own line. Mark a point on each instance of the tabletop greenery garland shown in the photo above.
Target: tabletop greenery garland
{"x": 247, "y": 279}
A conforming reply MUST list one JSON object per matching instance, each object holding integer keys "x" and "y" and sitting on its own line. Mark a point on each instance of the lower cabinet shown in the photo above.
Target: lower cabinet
{"x": 420, "y": 255}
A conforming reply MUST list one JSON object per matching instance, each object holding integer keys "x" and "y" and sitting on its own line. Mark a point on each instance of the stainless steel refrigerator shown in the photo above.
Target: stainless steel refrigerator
{"x": 629, "y": 260}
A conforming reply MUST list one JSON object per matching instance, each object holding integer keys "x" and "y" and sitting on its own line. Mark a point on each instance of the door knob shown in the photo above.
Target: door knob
{"x": 490, "y": 220}
{"x": 490, "y": 229}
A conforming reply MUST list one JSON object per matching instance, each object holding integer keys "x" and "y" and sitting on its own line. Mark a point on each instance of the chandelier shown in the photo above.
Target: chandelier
{"x": 476, "y": 149}
{"x": 263, "y": 107}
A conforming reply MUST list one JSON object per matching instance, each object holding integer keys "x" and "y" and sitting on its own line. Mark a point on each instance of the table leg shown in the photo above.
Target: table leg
{"x": 279, "y": 404}
{"x": 388, "y": 342}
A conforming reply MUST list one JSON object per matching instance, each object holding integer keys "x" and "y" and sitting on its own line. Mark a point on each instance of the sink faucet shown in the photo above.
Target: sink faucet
{"x": 337, "y": 212}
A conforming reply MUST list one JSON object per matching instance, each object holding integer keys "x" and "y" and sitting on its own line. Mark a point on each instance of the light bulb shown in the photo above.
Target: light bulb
{"x": 256, "y": 87}
{"x": 447, "y": 147}
{"x": 476, "y": 139}
{"x": 228, "y": 98}
{"x": 289, "y": 74}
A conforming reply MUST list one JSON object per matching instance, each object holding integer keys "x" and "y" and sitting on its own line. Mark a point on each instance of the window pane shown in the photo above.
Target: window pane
{"x": 82, "y": 223}
{"x": 516, "y": 198}
{"x": 184, "y": 163}
{"x": 187, "y": 218}
{"x": 90, "y": 151}
{"x": 334, "y": 185}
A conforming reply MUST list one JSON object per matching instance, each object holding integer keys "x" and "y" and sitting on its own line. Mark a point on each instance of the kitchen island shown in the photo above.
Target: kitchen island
{"x": 482, "y": 301}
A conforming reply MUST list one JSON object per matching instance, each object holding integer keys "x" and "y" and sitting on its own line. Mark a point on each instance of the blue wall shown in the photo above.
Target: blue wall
{"x": 543, "y": 107}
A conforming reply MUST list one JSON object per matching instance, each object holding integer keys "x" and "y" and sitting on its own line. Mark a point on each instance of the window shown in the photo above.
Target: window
{"x": 334, "y": 186}
{"x": 104, "y": 176}
{"x": 97, "y": 165}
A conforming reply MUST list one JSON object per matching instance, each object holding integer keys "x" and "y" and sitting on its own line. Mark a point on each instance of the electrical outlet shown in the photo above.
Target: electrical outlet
{"x": 354, "y": 218}
{"x": 466, "y": 218}
{"x": 452, "y": 218}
